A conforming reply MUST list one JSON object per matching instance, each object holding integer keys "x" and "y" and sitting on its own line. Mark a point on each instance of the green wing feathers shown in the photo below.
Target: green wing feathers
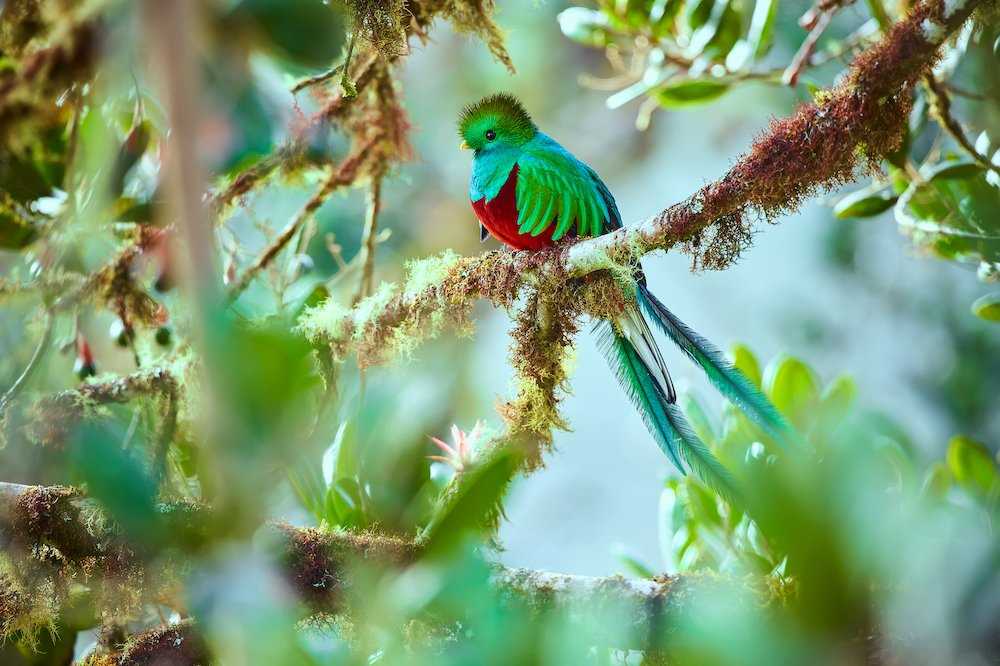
{"x": 665, "y": 421}
{"x": 554, "y": 188}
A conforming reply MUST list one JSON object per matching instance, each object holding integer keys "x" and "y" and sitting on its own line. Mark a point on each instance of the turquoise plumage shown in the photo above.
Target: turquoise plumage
{"x": 530, "y": 192}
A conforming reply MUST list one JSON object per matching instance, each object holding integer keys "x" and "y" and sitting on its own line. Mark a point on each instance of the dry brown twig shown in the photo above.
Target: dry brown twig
{"x": 343, "y": 175}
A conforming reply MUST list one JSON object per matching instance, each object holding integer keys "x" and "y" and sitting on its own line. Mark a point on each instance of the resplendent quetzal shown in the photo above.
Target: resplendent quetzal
{"x": 529, "y": 192}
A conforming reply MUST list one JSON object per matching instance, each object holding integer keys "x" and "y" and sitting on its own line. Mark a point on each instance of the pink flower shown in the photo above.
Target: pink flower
{"x": 459, "y": 454}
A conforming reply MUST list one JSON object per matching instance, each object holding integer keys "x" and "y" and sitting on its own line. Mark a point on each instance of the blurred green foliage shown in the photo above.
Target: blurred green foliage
{"x": 856, "y": 545}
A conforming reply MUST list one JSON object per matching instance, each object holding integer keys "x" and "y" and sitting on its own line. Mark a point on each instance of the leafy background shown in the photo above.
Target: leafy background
{"x": 866, "y": 316}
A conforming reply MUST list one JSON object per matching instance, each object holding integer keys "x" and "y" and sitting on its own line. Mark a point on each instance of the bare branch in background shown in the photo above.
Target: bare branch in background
{"x": 940, "y": 110}
{"x": 36, "y": 357}
{"x": 368, "y": 237}
{"x": 171, "y": 28}
{"x": 342, "y": 176}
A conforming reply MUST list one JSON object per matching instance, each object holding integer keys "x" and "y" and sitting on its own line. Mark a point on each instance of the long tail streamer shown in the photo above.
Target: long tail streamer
{"x": 732, "y": 383}
{"x": 664, "y": 419}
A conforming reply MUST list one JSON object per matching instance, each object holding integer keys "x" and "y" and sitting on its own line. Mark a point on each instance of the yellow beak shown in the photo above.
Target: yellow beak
{"x": 463, "y": 146}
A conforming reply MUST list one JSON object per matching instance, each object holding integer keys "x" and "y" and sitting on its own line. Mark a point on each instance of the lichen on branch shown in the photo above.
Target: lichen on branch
{"x": 818, "y": 147}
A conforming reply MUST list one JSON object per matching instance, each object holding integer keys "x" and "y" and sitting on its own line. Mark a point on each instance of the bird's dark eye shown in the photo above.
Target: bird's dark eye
{"x": 490, "y": 135}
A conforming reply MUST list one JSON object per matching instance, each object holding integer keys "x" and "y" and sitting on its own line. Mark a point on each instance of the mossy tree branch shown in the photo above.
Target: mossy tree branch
{"x": 317, "y": 565}
{"x": 53, "y": 417}
{"x": 819, "y": 147}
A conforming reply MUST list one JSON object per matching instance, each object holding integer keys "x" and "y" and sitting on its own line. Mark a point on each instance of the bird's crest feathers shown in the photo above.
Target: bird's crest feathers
{"x": 502, "y": 110}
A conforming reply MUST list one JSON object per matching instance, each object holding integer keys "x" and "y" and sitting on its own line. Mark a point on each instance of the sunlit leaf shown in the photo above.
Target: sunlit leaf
{"x": 746, "y": 362}
{"x": 690, "y": 92}
{"x": 761, "y": 33}
{"x": 972, "y": 465}
{"x": 719, "y": 33}
{"x": 864, "y": 203}
{"x": 937, "y": 481}
{"x": 331, "y": 456}
{"x": 987, "y": 307}
{"x": 838, "y": 397}
{"x": 792, "y": 387}
{"x": 953, "y": 213}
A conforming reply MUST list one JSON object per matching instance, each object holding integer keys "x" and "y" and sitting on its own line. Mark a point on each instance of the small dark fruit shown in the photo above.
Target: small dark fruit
{"x": 84, "y": 368}
{"x": 164, "y": 336}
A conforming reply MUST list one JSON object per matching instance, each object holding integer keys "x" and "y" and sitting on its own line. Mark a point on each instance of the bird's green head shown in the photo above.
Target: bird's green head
{"x": 495, "y": 122}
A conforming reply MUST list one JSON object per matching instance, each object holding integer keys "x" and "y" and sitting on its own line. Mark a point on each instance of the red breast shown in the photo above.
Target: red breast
{"x": 499, "y": 216}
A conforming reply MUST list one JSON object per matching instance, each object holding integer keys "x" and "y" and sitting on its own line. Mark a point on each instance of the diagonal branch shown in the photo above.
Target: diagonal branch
{"x": 54, "y": 416}
{"x": 818, "y": 147}
{"x": 342, "y": 176}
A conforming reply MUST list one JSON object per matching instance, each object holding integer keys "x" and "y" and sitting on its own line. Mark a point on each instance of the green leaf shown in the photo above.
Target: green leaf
{"x": 127, "y": 209}
{"x": 662, "y": 14}
{"x": 864, "y": 203}
{"x": 899, "y": 179}
{"x": 746, "y": 362}
{"x": 472, "y": 505}
{"x": 129, "y": 153}
{"x": 584, "y": 26}
{"x": 672, "y": 518}
{"x": 331, "y": 464}
{"x": 21, "y": 179}
{"x": 987, "y": 307}
{"x": 700, "y": 503}
{"x": 972, "y": 465}
{"x": 633, "y": 564}
{"x": 938, "y": 481}
{"x": 697, "y": 13}
{"x": 719, "y": 33}
{"x": 116, "y": 478}
{"x": 690, "y": 92}
{"x": 953, "y": 213}
{"x": 344, "y": 497}
{"x": 697, "y": 418}
{"x": 761, "y": 33}
{"x": 837, "y": 398}
{"x": 792, "y": 387}
{"x": 958, "y": 170}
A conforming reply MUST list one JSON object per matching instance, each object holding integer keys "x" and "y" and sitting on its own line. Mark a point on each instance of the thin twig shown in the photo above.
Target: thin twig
{"x": 342, "y": 176}
{"x": 962, "y": 92}
{"x": 36, "y": 357}
{"x": 317, "y": 79}
{"x": 940, "y": 110}
{"x": 168, "y": 427}
{"x": 801, "y": 59}
{"x": 368, "y": 238}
